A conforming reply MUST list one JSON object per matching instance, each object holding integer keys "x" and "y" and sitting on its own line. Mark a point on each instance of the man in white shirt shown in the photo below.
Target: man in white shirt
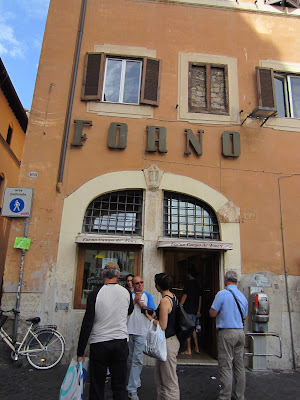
{"x": 105, "y": 322}
{"x": 138, "y": 326}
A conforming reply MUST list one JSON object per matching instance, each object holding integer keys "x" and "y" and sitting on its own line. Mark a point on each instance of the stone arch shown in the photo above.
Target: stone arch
{"x": 71, "y": 224}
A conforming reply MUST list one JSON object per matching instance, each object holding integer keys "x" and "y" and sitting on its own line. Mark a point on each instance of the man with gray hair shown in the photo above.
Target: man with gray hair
{"x": 105, "y": 322}
{"x": 230, "y": 307}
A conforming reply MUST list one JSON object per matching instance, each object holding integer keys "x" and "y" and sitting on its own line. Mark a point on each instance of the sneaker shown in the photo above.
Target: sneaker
{"x": 133, "y": 396}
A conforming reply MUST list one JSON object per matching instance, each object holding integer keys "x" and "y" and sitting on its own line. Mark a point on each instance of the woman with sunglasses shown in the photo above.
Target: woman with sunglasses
{"x": 165, "y": 372}
{"x": 129, "y": 282}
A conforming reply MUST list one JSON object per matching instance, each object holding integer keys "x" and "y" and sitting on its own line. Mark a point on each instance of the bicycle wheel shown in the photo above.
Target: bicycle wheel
{"x": 46, "y": 349}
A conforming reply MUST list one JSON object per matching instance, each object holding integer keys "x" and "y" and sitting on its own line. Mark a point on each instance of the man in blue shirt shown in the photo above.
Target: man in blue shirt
{"x": 231, "y": 337}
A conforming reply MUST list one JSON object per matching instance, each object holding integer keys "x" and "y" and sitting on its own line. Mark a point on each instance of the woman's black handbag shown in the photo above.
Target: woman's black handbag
{"x": 184, "y": 324}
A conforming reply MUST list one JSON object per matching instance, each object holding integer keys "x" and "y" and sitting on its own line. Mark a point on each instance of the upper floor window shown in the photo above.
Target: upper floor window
{"x": 127, "y": 80}
{"x": 122, "y": 81}
{"x": 9, "y": 135}
{"x": 208, "y": 88}
{"x": 115, "y": 213}
{"x": 279, "y": 91}
{"x": 188, "y": 217}
{"x": 287, "y": 89}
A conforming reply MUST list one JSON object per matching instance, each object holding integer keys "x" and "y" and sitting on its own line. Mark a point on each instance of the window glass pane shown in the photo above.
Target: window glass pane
{"x": 295, "y": 85}
{"x": 132, "y": 82}
{"x": 112, "y": 80}
{"x": 95, "y": 261}
{"x": 280, "y": 97}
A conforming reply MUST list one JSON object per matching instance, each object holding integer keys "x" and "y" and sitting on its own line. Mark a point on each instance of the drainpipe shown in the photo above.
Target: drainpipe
{"x": 285, "y": 271}
{"x": 71, "y": 98}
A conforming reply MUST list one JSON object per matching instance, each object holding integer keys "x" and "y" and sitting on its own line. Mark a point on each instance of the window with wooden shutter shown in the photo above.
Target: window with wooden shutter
{"x": 151, "y": 81}
{"x": 266, "y": 91}
{"x": 93, "y": 76}
{"x": 123, "y": 80}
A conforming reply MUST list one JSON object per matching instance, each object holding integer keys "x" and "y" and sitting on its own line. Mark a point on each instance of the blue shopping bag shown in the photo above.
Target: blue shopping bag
{"x": 74, "y": 381}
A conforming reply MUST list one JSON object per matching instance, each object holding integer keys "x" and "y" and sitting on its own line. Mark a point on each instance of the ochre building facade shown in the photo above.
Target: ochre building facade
{"x": 13, "y": 125}
{"x": 164, "y": 135}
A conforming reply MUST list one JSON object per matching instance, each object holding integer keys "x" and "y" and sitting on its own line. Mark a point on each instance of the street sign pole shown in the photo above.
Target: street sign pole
{"x": 17, "y": 203}
{"x": 20, "y": 284}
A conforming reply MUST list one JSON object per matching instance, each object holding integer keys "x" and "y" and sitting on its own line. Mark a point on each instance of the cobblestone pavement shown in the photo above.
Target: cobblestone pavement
{"x": 196, "y": 382}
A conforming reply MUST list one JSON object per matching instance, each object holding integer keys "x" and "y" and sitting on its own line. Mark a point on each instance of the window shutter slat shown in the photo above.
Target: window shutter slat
{"x": 266, "y": 91}
{"x": 151, "y": 81}
{"x": 91, "y": 86}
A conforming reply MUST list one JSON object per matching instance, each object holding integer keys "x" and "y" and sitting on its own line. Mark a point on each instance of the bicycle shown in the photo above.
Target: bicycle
{"x": 43, "y": 346}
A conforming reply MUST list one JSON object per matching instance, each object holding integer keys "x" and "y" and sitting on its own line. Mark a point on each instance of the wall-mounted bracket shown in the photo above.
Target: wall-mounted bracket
{"x": 263, "y": 113}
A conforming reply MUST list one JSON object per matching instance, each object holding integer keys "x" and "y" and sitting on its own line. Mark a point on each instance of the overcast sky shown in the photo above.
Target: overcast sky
{"x": 22, "y": 25}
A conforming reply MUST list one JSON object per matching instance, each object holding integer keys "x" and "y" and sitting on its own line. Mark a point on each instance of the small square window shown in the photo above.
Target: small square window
{"x": 208, "y": 88}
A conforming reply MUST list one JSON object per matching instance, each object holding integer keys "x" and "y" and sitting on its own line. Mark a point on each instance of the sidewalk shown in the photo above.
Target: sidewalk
{"x": 196, "y": 382}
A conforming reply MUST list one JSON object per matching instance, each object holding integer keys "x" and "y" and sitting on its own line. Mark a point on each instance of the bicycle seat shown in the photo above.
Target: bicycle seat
{"x": 34, "y": 320}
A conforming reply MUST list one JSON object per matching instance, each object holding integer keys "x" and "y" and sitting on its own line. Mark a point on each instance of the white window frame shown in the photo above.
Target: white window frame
{"x": 290, "y": 93}
{"x": 122, "y": 80}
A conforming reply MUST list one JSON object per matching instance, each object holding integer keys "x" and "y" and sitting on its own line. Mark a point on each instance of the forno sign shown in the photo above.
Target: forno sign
{"x": 157, "y": 139}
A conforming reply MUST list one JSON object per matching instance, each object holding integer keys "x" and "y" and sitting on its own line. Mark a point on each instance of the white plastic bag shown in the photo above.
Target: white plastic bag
{"x": 73, "y": 384}
{"x": 156, "y": 345}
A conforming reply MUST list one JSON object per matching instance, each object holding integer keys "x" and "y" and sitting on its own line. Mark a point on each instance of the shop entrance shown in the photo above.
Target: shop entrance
{"x": 206, "y": 264}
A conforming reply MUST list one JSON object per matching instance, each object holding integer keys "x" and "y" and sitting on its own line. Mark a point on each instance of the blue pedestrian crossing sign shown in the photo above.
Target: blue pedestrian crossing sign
{"x": 17, "y": 202}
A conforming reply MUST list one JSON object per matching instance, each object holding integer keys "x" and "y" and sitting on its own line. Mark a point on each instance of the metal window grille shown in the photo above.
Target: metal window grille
{"x": 115, "y": 213}
{"x": 188, "y": 217}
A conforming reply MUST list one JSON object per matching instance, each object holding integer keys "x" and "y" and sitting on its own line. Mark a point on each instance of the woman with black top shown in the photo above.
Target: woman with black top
{"x": 165, "y": 372}
{"x": 129, "y": 282}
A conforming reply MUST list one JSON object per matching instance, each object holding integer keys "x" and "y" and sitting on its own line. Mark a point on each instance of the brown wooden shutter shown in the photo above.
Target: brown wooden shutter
{"x": 150, "y": 87}
{"x": 93, "y": 76}
{"x": 265, "y": 84}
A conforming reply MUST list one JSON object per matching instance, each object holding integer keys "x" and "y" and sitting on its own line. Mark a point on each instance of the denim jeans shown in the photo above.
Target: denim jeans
{"x": 136, "y": 346}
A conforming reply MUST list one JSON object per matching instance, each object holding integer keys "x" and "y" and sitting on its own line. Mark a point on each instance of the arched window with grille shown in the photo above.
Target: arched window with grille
{"x": 187, "y": 217}
{"x": 115, "y": 213}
